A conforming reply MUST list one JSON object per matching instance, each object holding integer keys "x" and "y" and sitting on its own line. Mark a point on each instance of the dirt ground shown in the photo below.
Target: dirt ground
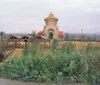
{"x": 17, "y": 53}
{"x": 12, "y": 82}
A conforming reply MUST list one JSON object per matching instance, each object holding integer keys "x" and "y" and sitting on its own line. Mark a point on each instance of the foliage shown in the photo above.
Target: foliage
{"x": 66, "y": 64}
{"x": 54, "y": 45}
{"x": 69, "y": 47}
{"x": 34, "y": 34}
{"x": 1, "y": 35}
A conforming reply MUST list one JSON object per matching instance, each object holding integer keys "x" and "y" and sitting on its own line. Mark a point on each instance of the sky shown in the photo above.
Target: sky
{"x": 25, "y": 16}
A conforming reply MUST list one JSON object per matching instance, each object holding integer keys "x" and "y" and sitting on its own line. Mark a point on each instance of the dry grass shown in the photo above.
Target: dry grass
{"x": 76, "y": 43}
{"x": 80, "y": 45}
{"x": 17, "y": 53}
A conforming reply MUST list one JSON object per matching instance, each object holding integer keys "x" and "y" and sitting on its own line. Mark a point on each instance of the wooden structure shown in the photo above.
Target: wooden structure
{"x": 16, "y": 40}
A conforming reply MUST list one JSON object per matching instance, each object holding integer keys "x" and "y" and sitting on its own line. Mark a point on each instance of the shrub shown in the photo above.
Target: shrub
{"x": 54, "y": 45}
{"x": 67, "y": 64}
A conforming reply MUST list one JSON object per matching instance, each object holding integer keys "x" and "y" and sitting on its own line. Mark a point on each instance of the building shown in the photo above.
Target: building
{"x": 51, "y": 29}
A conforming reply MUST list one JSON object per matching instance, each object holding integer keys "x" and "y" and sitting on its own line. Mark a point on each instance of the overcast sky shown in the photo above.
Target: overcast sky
{"x": 26, "y": 15}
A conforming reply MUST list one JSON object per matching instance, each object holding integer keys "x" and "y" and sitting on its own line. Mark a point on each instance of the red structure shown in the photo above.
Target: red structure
{"x": 41, "y": 32}
{"x": 60, "y": 33}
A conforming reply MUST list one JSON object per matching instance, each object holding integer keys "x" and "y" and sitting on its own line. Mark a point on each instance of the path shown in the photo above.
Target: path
{"x": 13, "y": 82}
{"x": 17, "y": 53}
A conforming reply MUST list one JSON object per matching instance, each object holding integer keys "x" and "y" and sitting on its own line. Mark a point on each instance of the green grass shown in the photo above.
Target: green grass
{"x": 60, "y": 65}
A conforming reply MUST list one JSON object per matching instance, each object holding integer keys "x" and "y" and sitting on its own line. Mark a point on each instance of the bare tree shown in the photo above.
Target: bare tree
{"x": 82, "y": 37}
{"x": 95, "y": 37}
{"x": 66, "y": 36}
{"x": 1, "y": 35}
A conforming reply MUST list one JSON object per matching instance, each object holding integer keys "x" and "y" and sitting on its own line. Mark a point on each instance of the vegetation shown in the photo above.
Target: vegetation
{"x": 1, "y": 35}
{"x": 3, "y": 42}
{"x": 61, "y": 65}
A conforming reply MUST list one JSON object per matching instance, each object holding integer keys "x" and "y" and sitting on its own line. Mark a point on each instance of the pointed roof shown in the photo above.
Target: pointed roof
{"x": 51, "y": 15}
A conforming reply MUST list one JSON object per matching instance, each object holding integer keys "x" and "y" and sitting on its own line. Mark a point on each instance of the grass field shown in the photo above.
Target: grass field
{"x": 77, "y": 44}
{"x": 81, "y": 44}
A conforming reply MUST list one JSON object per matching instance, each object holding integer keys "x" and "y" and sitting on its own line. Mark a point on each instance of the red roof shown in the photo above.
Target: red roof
{"x": 60, "y": 33}
{"x": 41, "y": 32}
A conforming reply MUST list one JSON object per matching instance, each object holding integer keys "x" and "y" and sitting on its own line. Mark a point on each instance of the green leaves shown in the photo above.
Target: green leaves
{"x": 65, "y": 64}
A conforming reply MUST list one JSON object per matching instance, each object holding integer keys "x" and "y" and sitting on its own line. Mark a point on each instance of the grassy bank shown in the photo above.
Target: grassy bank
{"x": 61, "y": 65}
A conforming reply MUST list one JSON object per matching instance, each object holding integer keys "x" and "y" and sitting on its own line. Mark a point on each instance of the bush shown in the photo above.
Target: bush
{"x": 67, "y": 64}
